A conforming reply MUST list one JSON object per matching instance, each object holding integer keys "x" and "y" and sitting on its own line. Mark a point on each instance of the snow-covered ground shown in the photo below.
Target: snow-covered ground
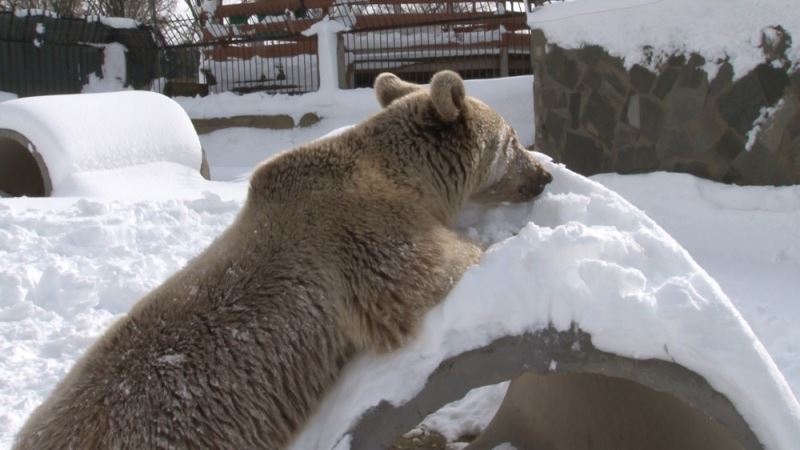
{"x": 74, "y": 264}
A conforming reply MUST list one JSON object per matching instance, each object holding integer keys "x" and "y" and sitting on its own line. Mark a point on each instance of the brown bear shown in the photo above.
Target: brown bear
{"x": 341, "y": 246}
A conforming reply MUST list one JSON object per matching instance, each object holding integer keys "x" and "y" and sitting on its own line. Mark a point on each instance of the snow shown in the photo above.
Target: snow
{"x": 468, "y": 416}
{"x": 624, "y": 27}
{"x": 747, "y": 238}
{"x": 583, "y": 255}
{"x": 114, "y": 22}
{"x": 580, "y": 253}
{"x": 35, "y": 12}
{"x": 114, "y": 70}
{"x": 760, "y": 121}
{"x": 5, "y": 96}
{"x": 127, "y": 128}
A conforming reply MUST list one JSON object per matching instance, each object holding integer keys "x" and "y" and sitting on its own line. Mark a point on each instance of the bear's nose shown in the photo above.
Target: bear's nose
{"x": 529, "y": 191}
{"x": 547, "y": 177}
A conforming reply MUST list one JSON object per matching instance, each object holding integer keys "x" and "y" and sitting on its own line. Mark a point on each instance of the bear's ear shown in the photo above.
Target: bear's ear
{"x": 447, "y": 95}
{"x": 389, "y": 88}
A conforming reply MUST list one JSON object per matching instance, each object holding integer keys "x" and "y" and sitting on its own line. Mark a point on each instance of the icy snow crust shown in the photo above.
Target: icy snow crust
{"x": 88, "y": 132}
{"x": 716, "y": 29}
{"x": 581, "y": 254}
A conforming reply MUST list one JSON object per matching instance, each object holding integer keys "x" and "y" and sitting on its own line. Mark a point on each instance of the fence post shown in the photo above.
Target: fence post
{"x": 327, "y": 32}
{"x": 503, "y": 60}
{"x": 341, "y": 62}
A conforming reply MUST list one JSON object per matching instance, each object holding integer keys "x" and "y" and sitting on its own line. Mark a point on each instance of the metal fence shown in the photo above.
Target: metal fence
{"x": 261, "y": 46}
{"x": 476, "y": 39}
{"x": 44, "y": 55}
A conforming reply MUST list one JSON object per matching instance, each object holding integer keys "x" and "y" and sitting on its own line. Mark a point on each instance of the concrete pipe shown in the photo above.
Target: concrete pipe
{"x": 46, "y": 140}
{"x": 566, "y": 394}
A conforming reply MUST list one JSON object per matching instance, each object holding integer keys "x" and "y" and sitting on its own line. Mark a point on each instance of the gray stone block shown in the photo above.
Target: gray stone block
{"x": 651, "y": 115}
{"x": 683, "y": 105}
{"x": 722, "y": 80}
{"x": 742, "y": 103}
{"x": 599, "y": 117}
{"x": 692, "y": 78}
{"x": 631, "y": 112}
{"x": 554, "y": 127}
{"x": 794, "y": 78}
{"x": 676, "y": 144}
{"x": 626, "y": 136}
{"x": 677, "y": 60}
{"x": 773, "y": 82}
{"x": 591, "y": 54}
{"x": 695, "y": 61}
{"x": 591, "y": 78}
{"x": 733, "y": 176}
{"x": 641, "y": 78}
{"x": 553, "y": 96}
{"x": 696, "y": 168}
{"x": 706, "y": 130}
{"x": 561, "y": 67}
{"x": 729, "y": 146}
{"x": 575, "y": 110}
{"x": 793, "y": 128}
{"x": 585, "y": 155}
{"x": 616, "y": 76}
{"x": 637, "y": 158}
{"x": 773, "y": 131}
{"x": 665, "y": 82}
{"x": 759, "y": 166}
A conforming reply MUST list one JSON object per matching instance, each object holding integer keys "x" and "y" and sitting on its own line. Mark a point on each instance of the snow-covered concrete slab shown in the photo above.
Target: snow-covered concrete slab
{"x": 91, "y": 132}
{"x": 580, "y": 256}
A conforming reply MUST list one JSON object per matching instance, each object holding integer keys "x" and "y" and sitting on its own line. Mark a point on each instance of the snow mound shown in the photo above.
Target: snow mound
{"x": 78, "y": 133}
{"x": 624, "y": 27}
{"x": 579, "y": 254}
{"x": 72, "y": 267}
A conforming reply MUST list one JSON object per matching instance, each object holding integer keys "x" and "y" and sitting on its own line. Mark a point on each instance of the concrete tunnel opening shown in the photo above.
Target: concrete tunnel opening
{"x": 583, "y": 411}
{"x": 22, "y": 169}
{"x": 567, "y": 394}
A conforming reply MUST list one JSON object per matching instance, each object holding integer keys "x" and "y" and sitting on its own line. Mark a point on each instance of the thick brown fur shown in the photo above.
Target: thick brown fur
{"x": 342, "y": 245}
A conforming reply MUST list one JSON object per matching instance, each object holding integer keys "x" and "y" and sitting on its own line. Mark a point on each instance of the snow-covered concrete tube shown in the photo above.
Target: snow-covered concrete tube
{"x": 45, "y": 141}
{"x": 577, "y": 282}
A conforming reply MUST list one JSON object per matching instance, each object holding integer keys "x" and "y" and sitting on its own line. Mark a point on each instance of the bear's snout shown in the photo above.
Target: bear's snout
{"x": 536, "y": 185}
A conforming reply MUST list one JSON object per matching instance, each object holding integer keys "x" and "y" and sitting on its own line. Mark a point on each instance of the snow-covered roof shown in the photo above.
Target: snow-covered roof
{"x": 582, "y": 255}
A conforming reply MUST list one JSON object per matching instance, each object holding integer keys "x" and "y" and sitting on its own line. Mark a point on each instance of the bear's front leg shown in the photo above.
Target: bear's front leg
{"x": 387, "y": 306}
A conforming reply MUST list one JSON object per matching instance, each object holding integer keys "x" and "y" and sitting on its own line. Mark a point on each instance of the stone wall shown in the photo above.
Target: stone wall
{"x": 596, "y": 116}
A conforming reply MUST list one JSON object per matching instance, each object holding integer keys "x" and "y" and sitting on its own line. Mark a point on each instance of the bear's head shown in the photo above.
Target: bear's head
{"x": 498, "y": 168}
